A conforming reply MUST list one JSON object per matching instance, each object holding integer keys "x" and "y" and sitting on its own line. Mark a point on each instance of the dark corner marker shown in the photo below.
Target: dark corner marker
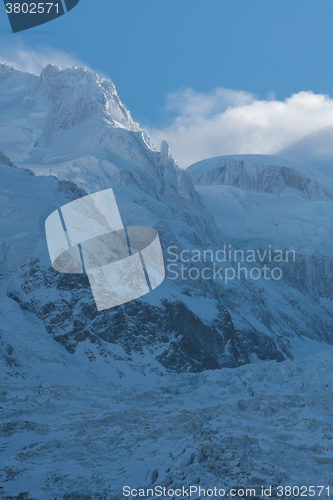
{"x": 24, "y": 14}
{"x": 70, "y": 4}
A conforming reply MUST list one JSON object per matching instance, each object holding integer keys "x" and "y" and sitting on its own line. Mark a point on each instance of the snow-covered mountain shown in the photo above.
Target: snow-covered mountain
{"x": 161, "y": 325}
{"x": 263, "y": 174}
{"x": 150, "y": 190}
{"x": 262, "y": 201}
{"x": 288, "y": 201}
{"x": 91, "y": 400}
{"x": 72, "y": 125}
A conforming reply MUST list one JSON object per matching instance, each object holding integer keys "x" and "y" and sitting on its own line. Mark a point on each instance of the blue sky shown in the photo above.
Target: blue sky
{"x": 151, "y": 48}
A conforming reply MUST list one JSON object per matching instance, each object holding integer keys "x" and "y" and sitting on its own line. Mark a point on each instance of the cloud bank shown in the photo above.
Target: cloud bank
{"x": 224, "y": 121}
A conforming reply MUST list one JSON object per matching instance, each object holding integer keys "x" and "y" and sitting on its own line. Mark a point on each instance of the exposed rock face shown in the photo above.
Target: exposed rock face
{"x": 4, "y": 160}
{"x": 171, "y": 332}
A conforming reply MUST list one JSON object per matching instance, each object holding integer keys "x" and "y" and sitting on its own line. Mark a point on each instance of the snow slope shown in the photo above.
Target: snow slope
{"x": 263, "y": 173}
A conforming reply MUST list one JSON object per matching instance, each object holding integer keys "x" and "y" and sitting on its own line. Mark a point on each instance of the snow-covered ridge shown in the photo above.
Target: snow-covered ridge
{"x": 266, "y": 424}
{"x": 261, "y": 173}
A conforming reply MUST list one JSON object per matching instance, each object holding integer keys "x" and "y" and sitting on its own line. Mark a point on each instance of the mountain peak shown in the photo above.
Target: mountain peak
{"x": 60, "y": 113}
{"x": 79, "y": 93}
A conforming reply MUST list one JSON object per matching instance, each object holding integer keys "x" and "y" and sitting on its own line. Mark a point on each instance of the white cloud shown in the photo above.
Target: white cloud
{"x": 33, "y": 60}
{"x": 233, "y": 122}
